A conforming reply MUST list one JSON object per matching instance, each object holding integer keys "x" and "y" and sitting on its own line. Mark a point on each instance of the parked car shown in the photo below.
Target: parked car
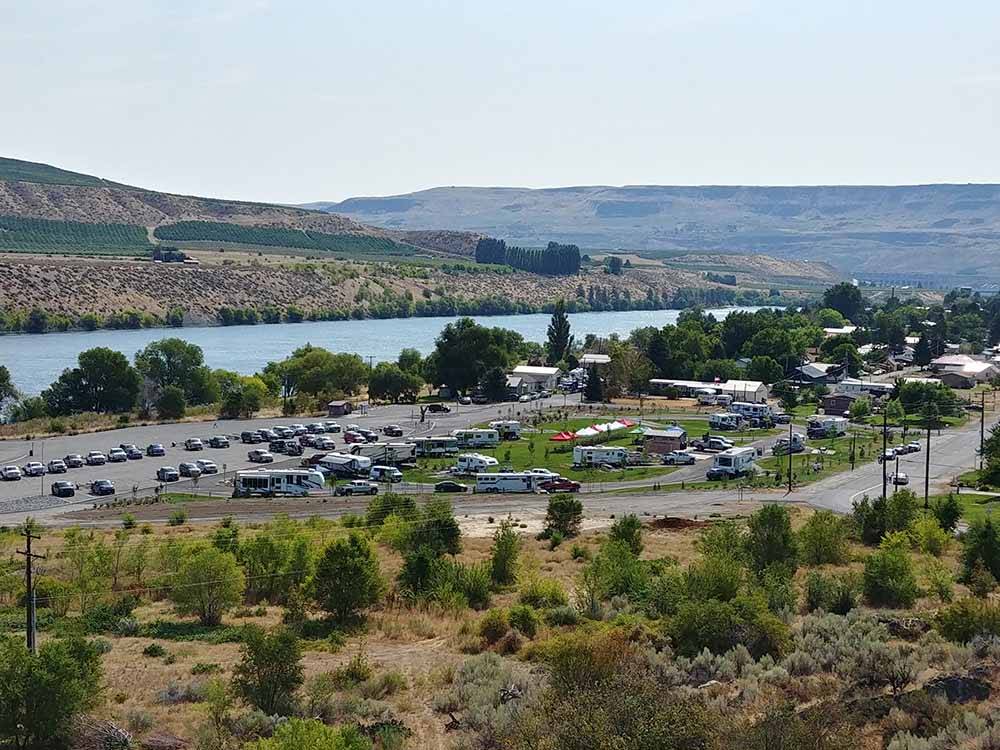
{"x": 282, "y": 432}
{"x": 333, "y": 427}
{"x": 324, "y": 444}
{"x": 369, "y": 436}
{"x": 316, "y": 428}
{"x": 260, "y": 456}
{"x": 188, "y": 469}
{"x": 353, "y": 437}
{"x": 465, "y": 400}
{"x": 266, "y": 435}
{"x": 102, "y": 487}
{"x": 155, "y": 449}
{"x": 385, "y": 474}
{"x": 678, "y": 458}
{"x": 167, "y": 474}
{"x": 899, "y": 479}
{"x": 74, "y": 460}
{"x": 357, "y": 487}
{"x": 206, "y": 466}
{"x": 10, "y": 474}
{"x": 449, "y": 485}
{"x": 293, "y": 449}
{"x": 438, "y": 408}
{"x": 34, "y": 469}
{"x": 117, "y": 456}
{"x": 298, "y": 429}
{"x": 194, "y": 444}
{"x": 782, "y": 418}
{"x": 392, "y": 430}
{"x": 63, "y": 488}
{"x": 133, "y": 453}
{"x": 57, "y": 466}
{"x": 543, "y": 473}
{"x": 218, "y": 441}
{"x": 96, "y": 458}
{"x": 714, "y": 474}
{"x": 307, "y": 440}
{"x": 913, "y": 447}
{"x": 889, "y": 455}
{"x": 524, "y": 398}
{"x": 559, "y": 484}
{"x": 249, "y": 437}
{"x": 480, "y": 398}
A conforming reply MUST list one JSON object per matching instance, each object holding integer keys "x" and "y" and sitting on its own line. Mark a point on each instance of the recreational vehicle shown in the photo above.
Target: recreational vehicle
{"x": 276, "y": 482}
{"x": 473, "y": 463}
{"x": 507, "y": 481}
{"x": 732, "y": 463}
{"x": 783, "y": 445}
{"x": 749, "y": 410}
{"x": 345, "y": 465}
{"x": 476, "y": 438}
{"x": 823, "y": 426}
{"x": 706, "y": 396}
{"x": 508, "y": 429}
{"x": 386, "y": 453}
{"x": 725, "y": 421}
{"x": 385, "y": 474}
{"x": 435, "y": 446}
{"x": 598, "y": 455}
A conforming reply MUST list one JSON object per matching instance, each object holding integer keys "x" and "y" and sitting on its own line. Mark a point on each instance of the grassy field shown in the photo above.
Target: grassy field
{"x": 975, "y": 505}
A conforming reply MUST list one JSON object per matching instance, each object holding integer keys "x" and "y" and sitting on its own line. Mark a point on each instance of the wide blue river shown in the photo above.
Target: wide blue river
{"x": 35, "y": 360}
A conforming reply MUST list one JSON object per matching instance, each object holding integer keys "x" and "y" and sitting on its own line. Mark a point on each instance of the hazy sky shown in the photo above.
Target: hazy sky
{"x": 296, "y": 101}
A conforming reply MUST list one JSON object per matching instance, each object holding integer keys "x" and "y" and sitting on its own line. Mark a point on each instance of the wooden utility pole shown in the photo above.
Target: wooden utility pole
{"x": 29, "y": 558}
{"x": 927, "y": 469}
{"x": 982, "y": 427}
{"x": 790, "y": 451}
{"x": 885, "y": 446}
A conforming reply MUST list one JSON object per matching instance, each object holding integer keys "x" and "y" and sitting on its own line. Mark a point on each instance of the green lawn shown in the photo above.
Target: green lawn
{"x": 810, "y": 467}
{"x": 971, "y": 479}
{"x": 975, "y": 505}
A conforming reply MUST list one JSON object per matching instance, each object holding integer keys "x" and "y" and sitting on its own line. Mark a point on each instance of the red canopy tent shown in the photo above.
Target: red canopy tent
{"x": 563, "y": 436}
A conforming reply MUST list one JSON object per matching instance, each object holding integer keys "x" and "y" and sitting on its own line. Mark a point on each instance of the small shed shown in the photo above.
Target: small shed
{"x": 957, "y": 379}
{"x": 339, "y": 408}
{"x": 838, "y": 404}
{"x": 664, "y": 441}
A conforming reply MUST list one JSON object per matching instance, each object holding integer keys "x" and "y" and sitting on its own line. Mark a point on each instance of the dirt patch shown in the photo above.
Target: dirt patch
{"x": 675, "y": 523}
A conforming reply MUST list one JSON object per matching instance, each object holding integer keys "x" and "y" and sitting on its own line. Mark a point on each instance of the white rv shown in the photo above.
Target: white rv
{"x": 783, "y": 446}
{"x": 476, "y": 438}
{"x": 725, "y": 421}
{"x": 386, "y": 453}
{"x": 597, "y": 455}
{"x": 507, "y": 481}
{"x": 275, "y": 482}
{"x": 508, "y": 429}
{"x": 435, "y": 446}
{"x": 473, "y": 463}
{"x": 346, "y": 465}
{"x": 385, "y": 474}
{"x": 706, "y": 396}
{"x": 732, "y": 463}
{"x": 750, "y": 410}
{"x": 823, "y": 426}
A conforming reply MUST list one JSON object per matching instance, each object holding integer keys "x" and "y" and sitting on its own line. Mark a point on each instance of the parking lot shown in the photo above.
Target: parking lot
{"x": 141, "y": 473}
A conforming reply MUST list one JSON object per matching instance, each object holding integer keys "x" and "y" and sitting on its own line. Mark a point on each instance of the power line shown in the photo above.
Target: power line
{"x": 29, "y": 585}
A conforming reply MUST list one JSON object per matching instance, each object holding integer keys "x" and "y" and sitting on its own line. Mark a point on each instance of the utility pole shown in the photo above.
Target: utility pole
{"x": 854, "y": 442}
{"x": 790, "y": 457}
{"x": 885, "y": 446}
{"x": 927, "y": 469}
{"x": 29, "y": 557}
{"x": 982, "y": 427}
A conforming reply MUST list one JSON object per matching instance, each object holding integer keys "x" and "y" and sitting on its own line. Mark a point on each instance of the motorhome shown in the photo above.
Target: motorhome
{"x": 749, "y": 410}
{"x": 476, "y": 438}
{"x": 824, "y": 426}
{"x": 508, "y": 429}
{"x": 277, "y": 482}
{"x": 386, "y": 453}
{"x": 507, "y": 481}
{"x": 732, "y": 463}
{"x": 473, "y": 463}
{"x": 706, "y": 396}
{"x": 726, "y": 421}
{"x": 783, "y": 445}
{"x": 599, "y": 455}
{"x": 435, "y": 446}
{"x": 345, "y": 465}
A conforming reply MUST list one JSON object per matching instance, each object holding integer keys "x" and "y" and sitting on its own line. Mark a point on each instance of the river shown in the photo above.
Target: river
{"x": 35, "y": 360}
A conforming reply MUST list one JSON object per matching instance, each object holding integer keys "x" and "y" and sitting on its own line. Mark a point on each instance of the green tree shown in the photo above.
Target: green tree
{"x": 494, "y": 384}
{"x": 103, "y": 381}
{"x": 270, "y": 671}
{"x": 40, "y": 695}
{"x": 948, "y": 511}
{"x": 559, "y": 341}
{"x": 889, "y": 580}
{"x": 846, "y": 299}
{"x": 594, "y": 389}
{"x": 981, "y": 546}
{"x": 563, "y": 515}
{"x": 175, "y": 362}
{"x": 464, "y": 351}
{"x": 410, "y": 360}
{"x": 7, "y": 389}
{"x": 765, "y": 369}
{"x": 922, "y": 355}
{"x": 894, "y": 412}
{"x": 172, "y": 403}
{"x": 240, "y": 395}
{"x": 504, "y": 554}
{"x": 829, "y": 318}
{"x": 347, "y": 578}
{"x": 770, "y": 539}
{"x": 208, "y": 583}
{"x": 310, "y": 734}
{"x": 614, "y": 265}
{"x": 437, "y": 529}
{"x": 861, "y": 407}
{"x": 628, "y": 530}
{"x": 388, "y": 382}
{"x": 823, "y": 539}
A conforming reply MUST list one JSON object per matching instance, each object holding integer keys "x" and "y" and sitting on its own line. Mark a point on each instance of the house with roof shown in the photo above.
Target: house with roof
{"x": 819, "y": 373}
{"x": 964, "y": 369}
{"x": 839, "y": 404}
{"x": 753, "y": 391}
{"x": 531, "y": 378}
{"x": 673, "y": 438}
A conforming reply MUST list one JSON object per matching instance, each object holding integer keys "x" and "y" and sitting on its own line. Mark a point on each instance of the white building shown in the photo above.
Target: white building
{"x": 842, "y": 331}
{"x": 531, "y": 378}
{"x": 595, "y": 359}
{"x": 740, "y": 390}
{"x": 965, "y": 366}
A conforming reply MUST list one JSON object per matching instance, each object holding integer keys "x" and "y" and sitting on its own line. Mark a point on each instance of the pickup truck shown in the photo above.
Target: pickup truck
{"x": 356, "y": 487}
{"x": 712, "y": 444}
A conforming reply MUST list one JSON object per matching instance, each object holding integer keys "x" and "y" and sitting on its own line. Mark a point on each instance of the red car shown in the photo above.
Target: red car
{"x": 560, "y": 485}
{"x": 353, "y": 437}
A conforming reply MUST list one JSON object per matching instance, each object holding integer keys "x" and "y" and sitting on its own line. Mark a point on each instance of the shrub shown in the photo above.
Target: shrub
{"x": 665, "y": 593}
{"x": 579, "y": 552}
{"x": 563, "y": 615}
{"x": 940, "y": 581}
{"x": 542, "y": 593}
{"x": 494, "y": 625}
{"x": 347, "y": 578}
{"x": 525, "y": 619}
{"x": 981, "y": 582}
{"x": 879, "y": 664}
{"x": 875, "y": 518}
{"x": 929, "y": 537}
{"x": 981, "y": 545}
{"x": 628, "y": 531}
{"x": 564, "y": 515}
{"x": 380, "y": 507}
{"x": 154, "y": 651}
{"x": 128, "y": 521}
{"x": 503, "y": 556}
{"x": 471, "y": 582}
{"x": 823, "y": 539}
{"x": 967, "y": 618}
{"x": 270, "y": 671}
{"x": 205, "y": 668}
{"x": 383, "y": 685}
{"x": 310, "y": 734}
{"x": 722, "y": 539}
{"x": 172, "y": 403}
{"x": 770, "y": 539}
{"x": 177, "y": 518}
{"x": 947, "y": 511}
{"x": 778, "y": 588}
{"x": 615, "y": 571}
{"x": 356, "y": 671}
{"x": 208, "y": 583}
{"x": 719, "y": 626}
{"x": 832, "y": 593}
{"x": 714, "y": 577}
{"x": 889, "y": 580}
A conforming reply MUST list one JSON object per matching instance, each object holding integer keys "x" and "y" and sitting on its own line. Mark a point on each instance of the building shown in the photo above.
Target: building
{"x": 534, "y": 378}
{"x": 595, "y": 359}
{"x": 951, "y": 362}
{"x": 819, "y": 373}
{"x": 839, "y": 404}
{"x": 664, "y": 441}
{"x": 753, "y": 391}
{"x": 339, "y": 408}
{"x": 957, "y": 379}
{"x": 843, "y": 331}
{"x": 973, "y": 369}
{"x": 862, "y": 387}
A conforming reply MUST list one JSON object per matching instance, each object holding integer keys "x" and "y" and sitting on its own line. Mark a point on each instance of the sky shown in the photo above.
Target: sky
{"x": 295, "y": 100}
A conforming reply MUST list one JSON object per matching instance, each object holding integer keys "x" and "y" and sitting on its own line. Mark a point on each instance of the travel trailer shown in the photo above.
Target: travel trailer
{"x": 277, "y": 482}
{"x": 597, "y": 455}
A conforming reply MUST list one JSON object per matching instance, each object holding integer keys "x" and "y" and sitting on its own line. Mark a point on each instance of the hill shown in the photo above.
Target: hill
{"x": 945, "y": 234}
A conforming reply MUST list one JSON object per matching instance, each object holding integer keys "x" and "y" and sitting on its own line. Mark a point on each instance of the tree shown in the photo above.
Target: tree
{"x": 894, "y": 412}
{"x": 311, "y": 734}
{"x": 770, "y": 539}
{"x": 410, "y": 360}
{"x": 563, "y": 515}
{"x": 504, "y": 554}
{"x": 559, "y": 340}
{"x": 829, "y": 318}
{"x": 172, "y": 403}
{"x": 7, "y": 389}
{"x": 464, "y": 351}
{"x": 860, "y": 407}
{"x": 846, "y": 299}
{"x": 103, "y": 382}
{"x": 981, "y": 547}
{"x": 347, "y": 578}
{"x": 765, "y": 369}
{"x": 437, "y": 530}
{"x": 947, "y": 511}
{"x": 823, "y": 539}
{"x": 271, "y": 670}
{"x": 175, "y": 362}
{"x": 388, "y": 382}
{"x": 614, "y": 265}
{"x": 594, "y": 389}
{"x": 922, "y": 351}
{"x": 889, "y": 580}
{"x": 628, "y": 530}
{"x": 208, "y": 583}
{"x": 241, "y": 395}
{"x": 40, "y": 695}
{"x": 494, "y": 384}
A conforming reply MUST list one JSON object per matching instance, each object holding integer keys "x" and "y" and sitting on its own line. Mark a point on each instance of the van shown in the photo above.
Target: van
{"x": 472, "y": 463}
{"x": 726, "y": 421}
{"x": 706, "y": 396}
{"x": 385, "y": 474}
